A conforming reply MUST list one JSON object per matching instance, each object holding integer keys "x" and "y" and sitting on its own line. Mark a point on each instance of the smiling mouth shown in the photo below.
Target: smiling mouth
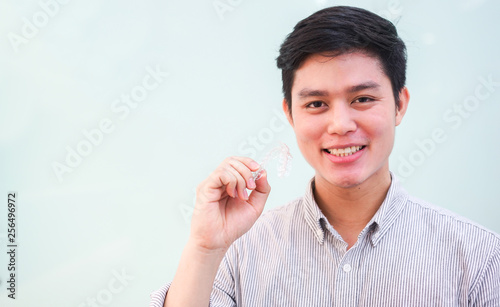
{"x": 344, "y": 152}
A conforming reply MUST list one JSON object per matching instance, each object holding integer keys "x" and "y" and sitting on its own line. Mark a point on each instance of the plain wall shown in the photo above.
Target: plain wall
{"x": 123, "y": 209}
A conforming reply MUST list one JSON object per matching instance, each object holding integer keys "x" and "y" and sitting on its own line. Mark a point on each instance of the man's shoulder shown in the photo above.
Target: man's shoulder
{"x": 287, "y": 210}
{"x": 443, "y": 218}
{"x": 277, "y": 222}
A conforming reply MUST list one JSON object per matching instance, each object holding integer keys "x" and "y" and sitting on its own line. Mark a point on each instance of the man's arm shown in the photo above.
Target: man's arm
{"x": 487, "y": 291}
{"x": 223, "y": 212}
{"x": 197, "y": 269}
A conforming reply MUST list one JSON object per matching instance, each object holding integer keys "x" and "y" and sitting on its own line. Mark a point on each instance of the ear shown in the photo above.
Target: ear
{"x": 404, "y": 99}
{"x": 287, "y": 112}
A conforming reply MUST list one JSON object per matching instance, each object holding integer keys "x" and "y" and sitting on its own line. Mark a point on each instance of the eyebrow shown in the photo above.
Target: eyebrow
{"x": 363, "y": 86}
{"x": 306, "y": 92}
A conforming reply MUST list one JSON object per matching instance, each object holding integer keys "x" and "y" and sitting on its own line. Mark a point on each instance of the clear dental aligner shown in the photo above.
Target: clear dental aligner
{"x": 282, "y": 153}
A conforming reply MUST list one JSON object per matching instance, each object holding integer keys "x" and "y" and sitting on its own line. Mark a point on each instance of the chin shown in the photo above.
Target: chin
{"x": 345, "y": 182}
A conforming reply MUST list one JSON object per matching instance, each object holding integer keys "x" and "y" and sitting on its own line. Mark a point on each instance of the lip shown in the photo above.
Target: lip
{"x": 347, "y": 159}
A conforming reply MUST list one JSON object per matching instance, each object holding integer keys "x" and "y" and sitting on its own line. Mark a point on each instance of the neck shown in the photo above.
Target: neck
{"x": 349, "y": 209}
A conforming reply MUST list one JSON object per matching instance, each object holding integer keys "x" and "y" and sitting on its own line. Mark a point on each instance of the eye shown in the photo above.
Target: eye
{"x": 363, "y": 99}
{"x": 315, "y": 104}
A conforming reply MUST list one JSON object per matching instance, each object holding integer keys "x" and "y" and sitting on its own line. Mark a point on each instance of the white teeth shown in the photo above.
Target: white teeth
{"x": 343, "y": 152}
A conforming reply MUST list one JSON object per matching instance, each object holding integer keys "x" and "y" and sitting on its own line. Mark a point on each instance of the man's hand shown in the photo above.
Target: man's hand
{"x": 224, "y": 211}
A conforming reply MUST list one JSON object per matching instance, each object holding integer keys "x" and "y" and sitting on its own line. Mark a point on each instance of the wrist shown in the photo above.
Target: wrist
{"x": 201, "y": 251}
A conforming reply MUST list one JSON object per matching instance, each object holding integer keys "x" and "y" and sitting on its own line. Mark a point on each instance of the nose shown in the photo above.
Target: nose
{"x": 341, "y": 120}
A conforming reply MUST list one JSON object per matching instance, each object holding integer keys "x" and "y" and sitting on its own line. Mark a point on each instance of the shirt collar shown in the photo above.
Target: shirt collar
{"x": 382, "y": 220}
{"x": 313, "y": 214}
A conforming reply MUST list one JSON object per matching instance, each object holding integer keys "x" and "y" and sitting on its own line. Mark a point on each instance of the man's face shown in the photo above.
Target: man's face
{"x": 344, "y": 116}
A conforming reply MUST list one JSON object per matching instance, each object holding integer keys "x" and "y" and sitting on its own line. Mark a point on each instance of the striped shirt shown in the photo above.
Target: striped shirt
{"x": 411, "y": 253}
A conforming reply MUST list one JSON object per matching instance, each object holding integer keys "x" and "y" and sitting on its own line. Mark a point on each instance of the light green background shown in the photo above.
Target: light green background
{"x": 125, "y": 207}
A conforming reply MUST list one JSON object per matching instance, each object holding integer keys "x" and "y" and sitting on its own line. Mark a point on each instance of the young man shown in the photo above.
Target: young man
{"x": 356, "y": 238}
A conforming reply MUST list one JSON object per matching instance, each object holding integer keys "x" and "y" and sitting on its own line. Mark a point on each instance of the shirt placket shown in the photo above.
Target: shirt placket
{"x": 346, "y": 285}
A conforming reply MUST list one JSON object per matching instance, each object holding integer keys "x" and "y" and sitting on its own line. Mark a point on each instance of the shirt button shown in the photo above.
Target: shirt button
{"x": 347, "y": 268}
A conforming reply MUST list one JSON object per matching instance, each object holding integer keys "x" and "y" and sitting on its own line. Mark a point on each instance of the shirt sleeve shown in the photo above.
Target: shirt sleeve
{"x": 487, "y": 291}
{"x": 223, "y": 291}
{"x": 158, "y": 296}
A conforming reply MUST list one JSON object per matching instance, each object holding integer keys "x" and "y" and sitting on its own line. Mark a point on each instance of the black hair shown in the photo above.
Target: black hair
{"x": 338, "y": 30}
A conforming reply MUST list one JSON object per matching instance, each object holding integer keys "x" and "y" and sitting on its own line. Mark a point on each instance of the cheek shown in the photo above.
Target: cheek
{"x": 379, "y": 122}
{"x": 308, "y": 131}
{"x": 381, "y": 131}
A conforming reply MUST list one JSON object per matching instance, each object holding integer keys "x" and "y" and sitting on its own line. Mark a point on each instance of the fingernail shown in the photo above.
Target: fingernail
{"x": 235, "y": 193}
{"x": 245, "y": 194}
{"x": 251, "y": 183}
{"x": 254, "y": 165}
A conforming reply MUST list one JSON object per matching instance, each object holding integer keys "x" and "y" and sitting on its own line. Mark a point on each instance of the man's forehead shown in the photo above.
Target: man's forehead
{"x": 325, "y": 57}
{"x": 351, "y": 72}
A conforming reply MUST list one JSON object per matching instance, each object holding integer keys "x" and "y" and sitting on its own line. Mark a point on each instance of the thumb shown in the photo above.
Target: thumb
{"x": 259, "y": 195}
